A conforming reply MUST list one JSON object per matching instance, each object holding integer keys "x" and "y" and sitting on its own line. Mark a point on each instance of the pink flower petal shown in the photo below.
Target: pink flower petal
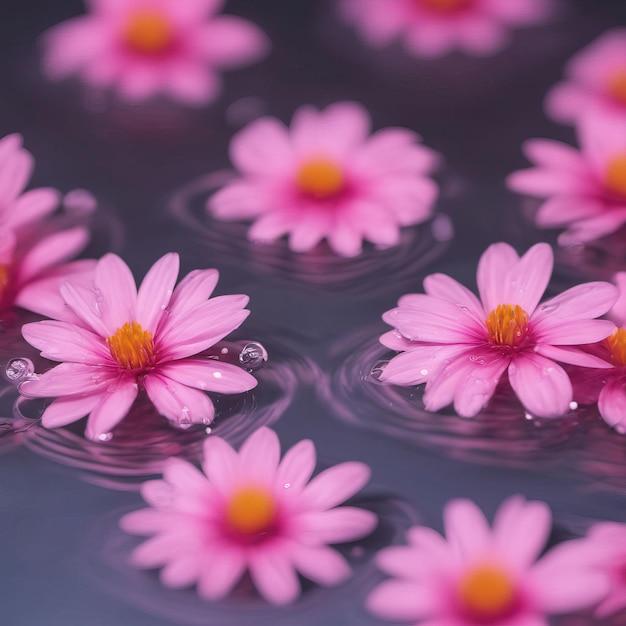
{"x": 259, "y": 456}
{"x": 337, "y": 525}
{"x": 67, "y": 410}
{"x": 33, "y": 205}
{"x": 84, "y": 304}
{"x": 563, "y": 209}
{"x": 114, "y": 278}
{"x": 446, "y": 288}
{"x": 156, "y": 290}
{"x": 63, "y": 379}
{"x": 467, "y": 530}
{"x": 161, "y": 549}
{"x": 112, "y": 409}
{"x": 220, "y": 464}
{"x": 193, "y": 84}
{"x": 573, "y": 356}
{"x": 220, "y": 573}
{"x": 274, "y": 576}
{"x": 401, "y": 601}
{"x": 193, "y": 290}
{"x": 209, "y": 375}
{"x": 612, "y": 402}
{"x": 493, "y": 269}
{"x": 297, "y": 465}
{"x": 240, "y": 199}
{"x": 320, "y": 564}
{"x": 14, "y": 173}
{"x": 181, "y": 572}
{"x": 336, "y": 484}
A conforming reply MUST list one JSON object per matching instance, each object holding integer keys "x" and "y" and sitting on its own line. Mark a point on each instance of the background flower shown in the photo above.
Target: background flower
{"x": 149, "y": 47}
{"x": 252, "y": 512}
{"x": 585, "y": 189}
{"x": 129, "y": 339}
{"x": 477, "y": 575}
{"x": 326, "y": 177}
{"x": 433, "y": 28}
{"x": 460, "y": 346}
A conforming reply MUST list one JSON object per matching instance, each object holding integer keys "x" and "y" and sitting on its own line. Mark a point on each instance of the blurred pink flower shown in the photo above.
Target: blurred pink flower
{"x": 149, "y": 47}
{"x": 595, "y": 81}
{"x": 250, "y": 511}
{"x": 32, "y": 255}
{"x": 460, "y": 346}
{"x": 326, "y": 177}
{"x": 585, "y": 189}
{"x": 478, "y": 575}
{"x": 127, "y": 340}
{"x": 433, "y": 28}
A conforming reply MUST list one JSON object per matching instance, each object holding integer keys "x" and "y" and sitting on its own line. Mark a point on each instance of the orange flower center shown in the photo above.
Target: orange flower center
{"x": 4, "y": 281}
{"x": 148, "y": 32}
{"x": 616, "y": 344}
{"x": 486, "y": 592}
{"x": 617, "y": 86}
{"x": 444, "y": 6}
{"x": 320, "y": 178}
{"x": 615, "y": 179}
{"x": 251, "y": 511}
{"x": 507, "y": 325}
{"x": 132, "y": 346}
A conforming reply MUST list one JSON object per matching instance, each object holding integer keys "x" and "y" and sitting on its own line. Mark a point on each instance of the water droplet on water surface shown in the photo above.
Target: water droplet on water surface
{"x": 253, "y": 355}
{"x": 19, "y": 369}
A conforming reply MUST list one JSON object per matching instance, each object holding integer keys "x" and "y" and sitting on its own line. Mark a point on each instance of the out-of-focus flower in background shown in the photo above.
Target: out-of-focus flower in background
{"x": 143, "y": 48}
{"x": 595, "y": 80}
{"x": 461, "y": 346}
{"x": 126, "y": 340}
{"x": 250, "y": 511}
{"x": 433, "y": 28}
{"x": 585, "y": 190}
{"x": 478, "y": 575}
{"x": 327, "y": 178}
{"x": 33, "y": 252}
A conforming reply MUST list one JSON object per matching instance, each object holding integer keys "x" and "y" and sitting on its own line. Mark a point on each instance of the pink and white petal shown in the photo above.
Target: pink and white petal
{"x": 179, "y": 403}
{"x": 493, "y": 269}
{"x": 401, "y": 561}
{"x": 612, "y": 402}
{"x": 309, "y": 230}
{"x": 156, "y": 290}
{"x": 441, "y": 389}
{"x": 84, "y": 304}
{"x": 184, "y": 476}
{"x": 162, "y": 549}
{"x": 572, "y": 356}
{"x": 67, "y": 379}
{"x": 321, "y": 564}
{"x": 220, "y": 464}
{"x": 541, "y": 385}
{"x": 238, "y": 200}
{"x": 467, "y": 530}
{"x": 193, "y": 84}
{"x": 114, "y": 280}
{"x": 376, "y": 223}
{"x": 150, "y": 521}
{"x": 479, "y": 383}
{"x": 31, "y": 206}
{"x": 221, "y": 571}
{"x": 259, "y": 456}
{"x": 209, "y": 375}
{"x": 274, "y": 576}
{"x": 394, "y": 341}
{"x": 263, "y": 148}
{"x": 564, "y": 209}
{"x": 336, "y": 484}
{"x": 229, "y": 42}
{"x": 181, "y": 572}
{"x": 14, "y": 176}
{"x": 555, "y": 154}
{"x": 409, "y": 198}
{"x": 445, "y": 287}
{"x": 193, "y": 290}
{"x": 601, "y": 137}
{"x": 345, "y": 239}
{"x": 270, "y": 227}
{"x": 593, "y": 228}
{"x": 297, "y": 465}
{"x": 542, "y": 182}
{"x": 112, "y": 409}
{"x": 575, "y": 332}
{"x": 338, "y": 525}
{"x": 521, "y": 530}
{"x": 402, "y": 601}
{"x": 67, "y": 410}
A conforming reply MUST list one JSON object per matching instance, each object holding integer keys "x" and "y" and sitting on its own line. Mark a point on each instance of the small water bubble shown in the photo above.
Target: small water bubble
{"x": 217, "y": 374}
{"x": 529, "y": 416}
{"x": 573, "y": 405}
{"x": 201, "y": 384}
{"x": 206, "y": 420}
{"x": 224, "y": 350}
{"x": 287, "y": 485}
{"x": 208, "y": 430}
{"x": 377, "y": 369}
{"x": 549, "y": 308}
{"x": 104, "y": 437}
{"x": 424, "y": 372}
{"x": 253, "y": 355}
{"x": 19, "y": 369}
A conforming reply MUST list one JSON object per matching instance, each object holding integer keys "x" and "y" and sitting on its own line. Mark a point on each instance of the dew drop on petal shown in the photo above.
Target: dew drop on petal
{"x": 529, "y": 416}
{"x": 573, "y": 405}
{"x": 253, "y": 355}
{"x": 19, "y": 369}
{"x": 224, "y": 350}
{"x": 217, "y": 374}
{"x": 377, "y": 369}
{"x": 424, "y": 372}
{"x": 287, "y": 485}
{"x": 104, "y": 437}
{"x": 549, "y": 308}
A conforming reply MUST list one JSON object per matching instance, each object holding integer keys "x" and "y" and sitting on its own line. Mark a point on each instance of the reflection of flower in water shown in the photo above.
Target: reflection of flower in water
{"x": 433, "y": 28}
{"x": 318, "y": 269}
{"x": 169, "y": 47}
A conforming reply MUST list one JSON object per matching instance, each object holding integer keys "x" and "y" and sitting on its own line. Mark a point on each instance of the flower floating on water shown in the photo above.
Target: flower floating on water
{"x": 480, "y": 576}
{"x": 595, "y": 81}
{"x": 33, "y": 254}
{"x": 148, "y": 47}
{"x": 326, "y": 177}
{"x": 585, "y": 189}
{"x": 250, "y": 511}
{"x": 129, "y": 340}
{"x": 460, "y": 346}
{"x": 433, "y": 28}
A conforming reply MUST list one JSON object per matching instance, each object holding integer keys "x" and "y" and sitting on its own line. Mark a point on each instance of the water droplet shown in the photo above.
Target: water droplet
{"x": 377, "y": 369}
{"x": 19, "y": 369}
{"x": 217, "y": 374}
{"x": 549, "y": 308}
{"x": 206, "y": 420}
{"x": 105, "y": 437}
{"x": 287, "y": 485}
{"x": 208, "y": 431}
{"x": 529, "y": 416}
{"x": 201, "y": 384}
{"x": 224, "y": 350}
{"x": 253, "y": 355}
{"x": 573, "y": 405}
{"x": 424, "y": 372}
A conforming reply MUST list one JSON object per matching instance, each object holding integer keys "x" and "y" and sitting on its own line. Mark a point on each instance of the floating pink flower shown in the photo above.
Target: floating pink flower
{"x": 482, "y": 576}
{"x": 585, "y": 190}
{"x": 252, "y": 512}
{"x": 460, "y": 346}
{"x": 433, "y": 28}
{"x": 595, "y": 81}
{"x": 32, "y": 255}
{"x": 326, "y": 177}
{"x": 129, "y": 339}
{"x": 149, "y": 47}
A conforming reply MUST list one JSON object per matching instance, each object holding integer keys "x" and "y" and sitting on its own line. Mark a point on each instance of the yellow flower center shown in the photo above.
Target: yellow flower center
{"x": 444, "y": 6}
{"x": 132, "y": 346}
{"x": 486, "y": 592}
{"x": 617, "y": 86}
{"x": 148, "y": 32}
{"x": 616, "y": 344}
{"x": 320, "y": 178}
{"x": 615, "y": 179}
{"x": 251, "y": 511}
{"x": 507, "y": 325}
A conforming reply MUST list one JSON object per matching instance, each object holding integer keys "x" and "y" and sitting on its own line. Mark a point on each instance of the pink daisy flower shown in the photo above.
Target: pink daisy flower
{"x": 460, "y": 346}
{"x": 433, "y": 28}
{"x": 129, "y": 339}
{"x": 595, "y": 80}
{"x": 149, "y": 47}
{"x": 250, "y": 511}
{"x": 585, "y": 190}
{"x": 326, "y": 177}
{"x": 479, "y": 575}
